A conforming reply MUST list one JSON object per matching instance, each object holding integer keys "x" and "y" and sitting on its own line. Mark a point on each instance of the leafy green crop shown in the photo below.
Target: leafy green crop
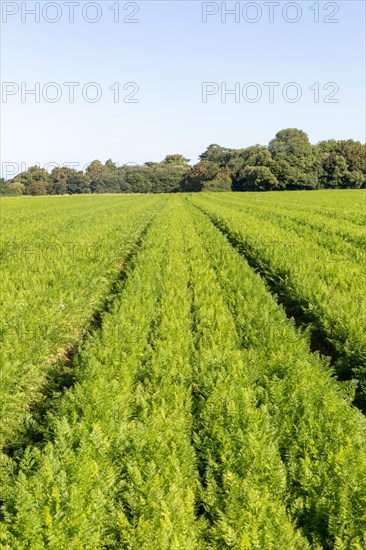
{"x": 58, "y": 261}
{"x": 196, "y": 416}
{"x": 321, "y": 278}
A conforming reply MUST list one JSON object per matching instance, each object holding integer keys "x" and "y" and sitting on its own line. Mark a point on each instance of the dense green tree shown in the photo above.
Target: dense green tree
{"x": 341, "y": 164}
{"x": 78, "y": 183}
{"x": 295, "y": 158}
{"x": 176, "y": 160}
{"x": 5, "y": 188}
{"x": 221, "y": 182}
{"x": 216, "y": 153}
{"x": 208, "y": 176}
{"x": 17, "y": 187}
{"x": 106, "y": 178}
{"x": 64, "y": 180}
{"x": 254, "y": 156}
{"x": 294, "y": 146}
{"x": 258, "y": 178}
{"x": 58, "y": 180}
{"x": 168, "y": 178}
{"x": 135, "y": 177}
{"x": 354, "y": 180}
{"x": 355, "y": 154}
{"x": 111, "y": 165}
{"x": 35, "y": 181}
{"x": 334, "y": 170}
{"x": 291, "y": 177}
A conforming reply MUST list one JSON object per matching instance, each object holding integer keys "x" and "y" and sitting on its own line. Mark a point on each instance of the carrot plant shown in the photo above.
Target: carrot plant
{"x": 118, "y": 467}
{"x": 320, "y": 437}
{"x": 59, "y": 258}
{"x": 327, "y": 288}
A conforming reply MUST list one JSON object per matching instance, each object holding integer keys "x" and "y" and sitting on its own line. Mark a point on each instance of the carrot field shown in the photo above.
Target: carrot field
{"x": 183, "y": 371}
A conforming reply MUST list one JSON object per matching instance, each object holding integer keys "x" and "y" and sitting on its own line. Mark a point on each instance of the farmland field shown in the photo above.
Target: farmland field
{"x": 183, "y": 371}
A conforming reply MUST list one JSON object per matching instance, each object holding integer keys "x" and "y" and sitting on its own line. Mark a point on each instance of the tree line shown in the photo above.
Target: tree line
{"x": 289, "y": 162}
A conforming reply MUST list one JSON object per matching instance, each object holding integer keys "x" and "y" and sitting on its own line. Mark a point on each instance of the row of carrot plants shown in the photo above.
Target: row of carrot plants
{"x": 59, "y": 259}
{"x": 325, "y": 288}
{"x": 118, "y": 468}
{"x": 335, "y": 239}
{"x": 242, "y": 475}
{"x": 277, "y": 419}
{"x": 347, "y": 206}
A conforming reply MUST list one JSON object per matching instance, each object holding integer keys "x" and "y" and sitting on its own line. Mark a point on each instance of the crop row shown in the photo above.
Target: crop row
{"x": 55, "y": 276}
{"x": 198, "y": 419}
{"x": 118, "y": 464}
{"x": 340, "y": 206}
{"x": 312, "y": 426}
{"x": 337, "y": 237}
{"x": 334, "y": 240}
{"x": 327, "y": 289}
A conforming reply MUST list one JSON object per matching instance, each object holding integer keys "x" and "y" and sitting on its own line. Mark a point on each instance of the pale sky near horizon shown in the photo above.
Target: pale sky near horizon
{"x": 168, "y": 53}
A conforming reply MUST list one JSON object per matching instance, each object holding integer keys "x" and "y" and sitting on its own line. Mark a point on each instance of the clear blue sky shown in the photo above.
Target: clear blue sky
{"x": 169, "y": 53}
